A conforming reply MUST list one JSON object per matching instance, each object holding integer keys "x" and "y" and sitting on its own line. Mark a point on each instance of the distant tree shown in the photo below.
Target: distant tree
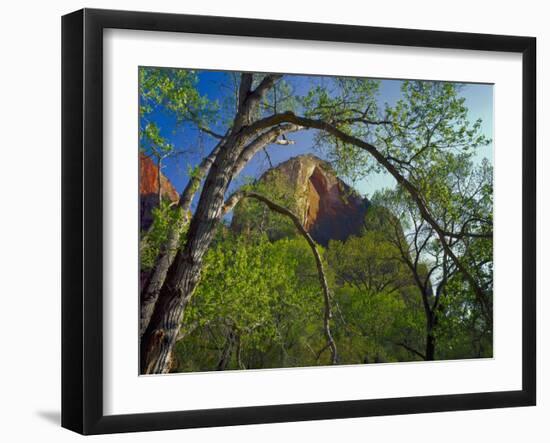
{"x": 376, "y": 298}
{"x": 460, "y": 198}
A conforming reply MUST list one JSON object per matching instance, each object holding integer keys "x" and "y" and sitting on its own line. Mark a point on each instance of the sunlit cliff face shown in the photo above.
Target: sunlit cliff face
{"x": 328, "y": 208}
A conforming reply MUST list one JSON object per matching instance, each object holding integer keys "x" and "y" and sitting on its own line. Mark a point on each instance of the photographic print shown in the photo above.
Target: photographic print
{"x": 302, "y": 220}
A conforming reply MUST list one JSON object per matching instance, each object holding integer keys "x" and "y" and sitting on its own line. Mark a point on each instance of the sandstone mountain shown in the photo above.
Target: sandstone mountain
{"x": 328, "y": 208}
{"x": 148, "y": 190}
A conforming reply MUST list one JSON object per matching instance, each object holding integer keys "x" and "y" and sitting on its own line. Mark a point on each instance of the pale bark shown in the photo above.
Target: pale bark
{"x": 266, "y": 138}
{"x": 183, "y": 275}
{"x": 150, "y": 292}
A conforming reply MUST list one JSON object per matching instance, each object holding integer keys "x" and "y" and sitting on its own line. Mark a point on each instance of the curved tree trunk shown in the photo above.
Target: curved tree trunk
{"x": 183, "y": 275}
{"x": 150, "y": 292}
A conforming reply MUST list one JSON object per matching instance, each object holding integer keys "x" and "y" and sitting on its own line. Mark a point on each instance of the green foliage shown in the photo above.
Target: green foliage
{"x": 259, "y": 303}
{"x": 377, "y": 298}
{"x": 372, "y": 324}
{"x": 426, "y": 130}
{"x": 173, "y": 92}
{"x": 262, "y": 299}
{"x": 428, "y": 122}
{"x": 262, "y": 293}
{"x": 349, "y": 104}
{"x": 164, "y": 217}
{"x": 462, "y": 331}
{"x": 281, "y": 98}
{"x": 368, "y": 262}
{"x": 154, "y": 143}
{"x": 252, "y": 216}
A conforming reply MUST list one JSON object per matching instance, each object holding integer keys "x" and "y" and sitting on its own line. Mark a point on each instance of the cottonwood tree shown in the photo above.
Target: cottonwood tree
{"x": 200, "y": 115}
{"x": 235, "y": 149}
{"x": 428, "y": 265}
{"x": 427, "y": 126}
{"x": 461, "y": 199}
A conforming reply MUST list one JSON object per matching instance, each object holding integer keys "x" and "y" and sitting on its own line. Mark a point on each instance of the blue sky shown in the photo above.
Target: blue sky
{"x": 214, "y": 85}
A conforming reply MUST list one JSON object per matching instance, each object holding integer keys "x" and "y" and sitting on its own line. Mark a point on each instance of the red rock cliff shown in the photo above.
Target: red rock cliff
{"x": 148, "y": 189}
{"x": 329, "y": 209}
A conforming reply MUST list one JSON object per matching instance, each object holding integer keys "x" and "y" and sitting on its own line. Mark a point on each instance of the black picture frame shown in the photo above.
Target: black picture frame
{"x": 82, "y": 218}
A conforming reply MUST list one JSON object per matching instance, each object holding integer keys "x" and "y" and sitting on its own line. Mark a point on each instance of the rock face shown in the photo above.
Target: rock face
{"x": 329, "y": 209}
{"x": 148, "y": 190}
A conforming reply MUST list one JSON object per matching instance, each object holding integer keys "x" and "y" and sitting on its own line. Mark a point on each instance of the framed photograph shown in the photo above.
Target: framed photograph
{"x": 269, "y": 221}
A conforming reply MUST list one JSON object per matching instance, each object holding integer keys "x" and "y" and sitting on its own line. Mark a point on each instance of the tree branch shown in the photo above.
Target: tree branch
{"x": 211, "y": 133}
{"x": 244, "y": 88}
{"x": 151, "y": 291}
{"x": 260, "y": 142}
{"x": 265, "y": 85}
{"x": 239, "y": 195}
{"x": 250, "y": 100}
{"x": 411, "y": 350}
{"x": 290, "y": 117}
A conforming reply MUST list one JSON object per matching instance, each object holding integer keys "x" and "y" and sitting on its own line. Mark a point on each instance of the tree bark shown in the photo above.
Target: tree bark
{"x": 227, "y": 352}
{"x": 183, "y": 275}
{"x": 150, "y": 292}
{"x": 430, "y": 338}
